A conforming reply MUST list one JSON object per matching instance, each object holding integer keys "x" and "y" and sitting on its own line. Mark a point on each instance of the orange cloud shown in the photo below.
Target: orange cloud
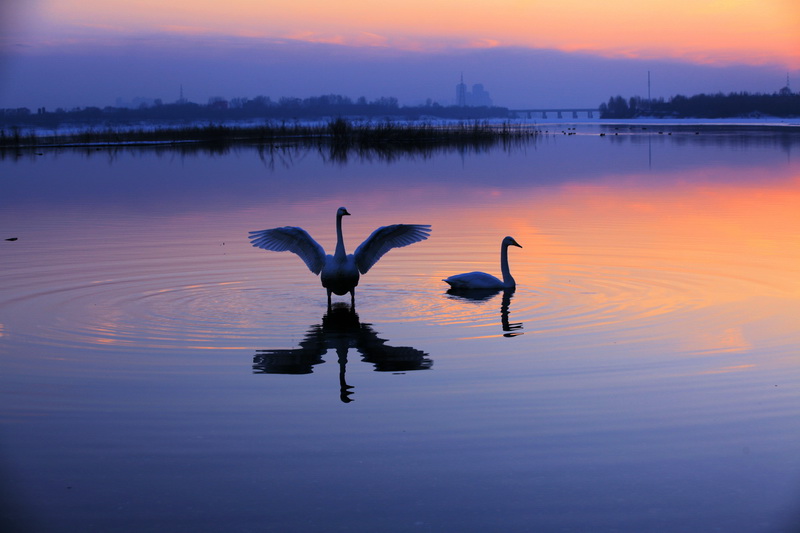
{"x": 749, "y": 31}
{"x": 359, "y": 39}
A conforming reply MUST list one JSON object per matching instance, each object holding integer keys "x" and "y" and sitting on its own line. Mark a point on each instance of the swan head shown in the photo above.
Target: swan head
{"x": 509, "y": 241}
{"x": 341, "y": 212}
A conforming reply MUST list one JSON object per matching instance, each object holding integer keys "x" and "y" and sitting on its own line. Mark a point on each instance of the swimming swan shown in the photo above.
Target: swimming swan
{"x": 340, "y": 271}
{"x": 482, "y": 280}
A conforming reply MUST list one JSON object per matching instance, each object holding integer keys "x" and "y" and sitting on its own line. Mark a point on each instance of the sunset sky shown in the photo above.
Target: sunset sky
{"x": 525, "y": 52}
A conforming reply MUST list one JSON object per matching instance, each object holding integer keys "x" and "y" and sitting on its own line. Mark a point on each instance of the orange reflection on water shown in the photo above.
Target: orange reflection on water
{"x": 711, "y": 259}
{"x": 727, "y": 340}
{"x": 727, "y": 369}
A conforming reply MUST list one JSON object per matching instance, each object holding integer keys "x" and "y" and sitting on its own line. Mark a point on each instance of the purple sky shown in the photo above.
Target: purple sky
{"x": 156, "y": 67}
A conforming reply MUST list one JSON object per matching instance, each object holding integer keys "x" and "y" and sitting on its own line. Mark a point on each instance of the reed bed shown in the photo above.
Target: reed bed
{"x": 343, "y": 133}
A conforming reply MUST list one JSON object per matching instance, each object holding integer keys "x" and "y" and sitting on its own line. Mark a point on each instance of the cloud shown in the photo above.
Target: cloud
{"x": 82, "y": 72}
{"x": 485, "y": 43}
{"x": 358, "y": 40}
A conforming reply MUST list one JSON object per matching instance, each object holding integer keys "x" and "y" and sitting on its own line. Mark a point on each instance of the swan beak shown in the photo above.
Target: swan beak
{"x": 344, "y": 212}
{"x": 518, "y": 245}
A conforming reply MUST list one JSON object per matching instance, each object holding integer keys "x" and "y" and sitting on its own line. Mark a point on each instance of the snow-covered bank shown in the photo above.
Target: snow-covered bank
{"x": 664, "y": 122}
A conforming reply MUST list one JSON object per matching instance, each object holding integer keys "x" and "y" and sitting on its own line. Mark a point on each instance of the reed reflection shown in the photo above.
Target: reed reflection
{"x": 340, "y": 330}
{"x": 511, "y": 329}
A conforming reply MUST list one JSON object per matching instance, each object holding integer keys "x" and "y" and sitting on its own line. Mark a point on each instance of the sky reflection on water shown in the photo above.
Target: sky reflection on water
{"x": 642, "y": 377}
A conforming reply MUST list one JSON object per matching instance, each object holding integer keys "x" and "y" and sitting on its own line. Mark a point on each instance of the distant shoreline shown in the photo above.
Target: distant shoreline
{"x": 358, "y": 133}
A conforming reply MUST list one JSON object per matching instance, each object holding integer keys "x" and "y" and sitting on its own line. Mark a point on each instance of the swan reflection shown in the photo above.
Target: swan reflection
{"x": 482, "y": 295}
{"x": 340, "y": 330}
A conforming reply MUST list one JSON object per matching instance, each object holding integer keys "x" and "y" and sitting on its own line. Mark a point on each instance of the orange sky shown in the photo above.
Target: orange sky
{"x": 717, "y": 31}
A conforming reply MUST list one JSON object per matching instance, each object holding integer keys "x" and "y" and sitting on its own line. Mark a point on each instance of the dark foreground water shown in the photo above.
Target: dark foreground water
{"x": 157, "y": 373}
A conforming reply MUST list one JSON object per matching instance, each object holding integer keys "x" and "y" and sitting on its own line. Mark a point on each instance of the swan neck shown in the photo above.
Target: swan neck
{"x": 339, "y": 238}
{"x": 508, "y": 281}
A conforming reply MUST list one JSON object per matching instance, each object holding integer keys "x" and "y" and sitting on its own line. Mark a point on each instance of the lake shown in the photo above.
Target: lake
{"x": 158, "y": 373}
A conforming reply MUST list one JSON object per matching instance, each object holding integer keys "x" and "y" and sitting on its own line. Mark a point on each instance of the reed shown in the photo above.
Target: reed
{"x": 342, "y": 133}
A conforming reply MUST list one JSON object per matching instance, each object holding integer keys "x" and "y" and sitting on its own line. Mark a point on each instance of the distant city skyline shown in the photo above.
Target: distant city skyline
{"x": 478, "y": 97}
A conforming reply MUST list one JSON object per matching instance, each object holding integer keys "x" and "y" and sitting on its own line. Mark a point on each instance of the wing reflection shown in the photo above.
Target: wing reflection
{"x": 481, "y": 295}
{"x": 340, "y": 330}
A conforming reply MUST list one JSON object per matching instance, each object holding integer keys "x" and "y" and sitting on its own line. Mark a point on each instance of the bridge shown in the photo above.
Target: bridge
{"x": 542, "y": 113}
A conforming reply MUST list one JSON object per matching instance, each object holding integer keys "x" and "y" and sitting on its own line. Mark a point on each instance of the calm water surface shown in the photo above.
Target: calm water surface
{"x": 160, "y": 374}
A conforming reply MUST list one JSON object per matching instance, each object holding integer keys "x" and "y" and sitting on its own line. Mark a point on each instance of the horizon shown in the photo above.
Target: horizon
{"x": 74, "y": 53}
{"x": 348, "y": 100}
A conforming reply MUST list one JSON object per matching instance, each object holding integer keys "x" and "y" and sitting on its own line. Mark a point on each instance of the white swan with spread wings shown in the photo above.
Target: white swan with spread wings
{"x": 339, "y": 272}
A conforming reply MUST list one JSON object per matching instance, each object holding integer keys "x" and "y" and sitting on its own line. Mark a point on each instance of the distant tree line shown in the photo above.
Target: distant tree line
{"x": 261, "y": 107}
{"x": 783, "y": 103}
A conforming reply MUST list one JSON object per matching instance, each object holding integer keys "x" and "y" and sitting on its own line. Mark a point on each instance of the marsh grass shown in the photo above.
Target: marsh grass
{"x": 340, "y": 135}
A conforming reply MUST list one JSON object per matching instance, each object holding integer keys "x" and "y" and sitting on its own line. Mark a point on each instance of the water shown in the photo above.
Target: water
{"x": 160, "y": 374}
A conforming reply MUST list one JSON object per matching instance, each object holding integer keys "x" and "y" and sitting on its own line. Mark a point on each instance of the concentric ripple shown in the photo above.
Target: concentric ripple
{"x": 244, "y": 300}
{"x": 189, "y": 302}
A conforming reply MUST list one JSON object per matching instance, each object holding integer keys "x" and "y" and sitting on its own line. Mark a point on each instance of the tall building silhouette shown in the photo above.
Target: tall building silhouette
{"x": 479, "y": 97}
{"x": 461, "y": 93}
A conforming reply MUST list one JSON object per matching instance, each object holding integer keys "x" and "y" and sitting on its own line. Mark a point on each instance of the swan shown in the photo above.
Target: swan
{"x": 484, "y": 281}
{"x": 339, "y": 272}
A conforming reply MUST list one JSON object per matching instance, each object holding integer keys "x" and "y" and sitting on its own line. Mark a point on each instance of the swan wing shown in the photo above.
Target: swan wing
{"x": 474, "y": 281}
{"x": 384, "y": 239}
{"x": 293, "y": 239}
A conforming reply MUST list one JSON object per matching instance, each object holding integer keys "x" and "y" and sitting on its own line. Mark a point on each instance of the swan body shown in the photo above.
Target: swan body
{"x": 340, "y": 272}
{"x": 484, "y": 281}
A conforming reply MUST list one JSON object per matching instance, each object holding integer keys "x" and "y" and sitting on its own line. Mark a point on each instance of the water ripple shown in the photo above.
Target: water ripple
{"x": 239, "y": 301}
